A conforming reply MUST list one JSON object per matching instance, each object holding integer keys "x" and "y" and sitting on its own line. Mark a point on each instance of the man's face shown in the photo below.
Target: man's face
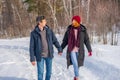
{"x": 43, "y": 22}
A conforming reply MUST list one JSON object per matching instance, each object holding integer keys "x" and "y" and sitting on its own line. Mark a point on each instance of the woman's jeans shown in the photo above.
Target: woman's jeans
{"x": 40, "y": 68}
{"x": 74, "y": 57}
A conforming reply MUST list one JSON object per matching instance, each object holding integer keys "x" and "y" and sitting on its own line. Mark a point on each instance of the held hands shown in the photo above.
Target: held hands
{"x": 33, "y": 63}
{"x": 60, "y": 53}
{"x": 89, "y": 53}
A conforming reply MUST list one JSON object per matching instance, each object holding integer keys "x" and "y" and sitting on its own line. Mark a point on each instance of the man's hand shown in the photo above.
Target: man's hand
{"x": 33, "y": 63}
{"x": 60, "y": 53}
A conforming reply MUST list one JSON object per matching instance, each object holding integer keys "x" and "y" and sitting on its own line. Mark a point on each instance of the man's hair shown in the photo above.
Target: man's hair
{"x": 40, "y": 18}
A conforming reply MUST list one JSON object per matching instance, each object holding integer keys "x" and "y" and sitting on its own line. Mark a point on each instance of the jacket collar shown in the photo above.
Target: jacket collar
{"x": 38, "y": 30}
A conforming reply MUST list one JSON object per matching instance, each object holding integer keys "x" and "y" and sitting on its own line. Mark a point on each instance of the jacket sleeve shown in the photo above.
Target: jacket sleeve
{"x": 32, "y": 46}
{"x": 87, "y": 41}
{"x": 65, "y": 40}
{"x": 55, "y": 42}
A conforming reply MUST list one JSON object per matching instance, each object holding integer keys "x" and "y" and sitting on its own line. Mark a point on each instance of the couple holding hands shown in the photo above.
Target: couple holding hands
{"x": 42, "y": 39}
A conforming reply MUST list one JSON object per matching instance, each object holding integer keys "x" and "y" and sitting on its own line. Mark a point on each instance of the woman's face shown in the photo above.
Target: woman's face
{"x": 75, "y": 23}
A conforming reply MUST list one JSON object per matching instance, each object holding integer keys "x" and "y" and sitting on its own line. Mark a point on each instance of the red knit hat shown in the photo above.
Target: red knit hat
{"x": 77, "y": 18}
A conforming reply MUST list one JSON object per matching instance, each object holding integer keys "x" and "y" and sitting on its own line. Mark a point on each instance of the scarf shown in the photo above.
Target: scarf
{"x": 72, "y": 42}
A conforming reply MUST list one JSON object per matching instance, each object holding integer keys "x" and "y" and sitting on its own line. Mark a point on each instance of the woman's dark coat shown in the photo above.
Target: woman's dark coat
{"x": 84, "y": 39}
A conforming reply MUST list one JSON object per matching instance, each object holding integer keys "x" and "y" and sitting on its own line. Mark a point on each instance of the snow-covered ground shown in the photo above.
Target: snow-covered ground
{"x": 15, "y": 64}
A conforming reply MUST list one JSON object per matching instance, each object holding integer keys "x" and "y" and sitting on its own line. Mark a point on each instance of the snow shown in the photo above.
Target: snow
{"x": 15, "y": 64}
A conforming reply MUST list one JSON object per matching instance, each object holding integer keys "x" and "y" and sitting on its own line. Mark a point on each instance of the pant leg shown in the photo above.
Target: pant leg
{"x": 40, "y": 69}
{"x": 75, "y": 63}
{"x": 48, "y": 68}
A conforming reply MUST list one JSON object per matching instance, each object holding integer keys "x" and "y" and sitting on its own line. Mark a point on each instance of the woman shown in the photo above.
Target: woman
{"x": 75, "y": 37}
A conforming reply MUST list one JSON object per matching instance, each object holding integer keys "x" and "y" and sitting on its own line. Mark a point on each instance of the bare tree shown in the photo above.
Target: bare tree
{"x": 101, "y": 17}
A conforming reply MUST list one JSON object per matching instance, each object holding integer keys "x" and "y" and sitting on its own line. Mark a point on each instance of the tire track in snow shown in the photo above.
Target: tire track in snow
{"x": 92, "y": 70}
{"x": 25, "y": 56}
{"x": 16, "y": 61}
{"x": 103, "y": 70}
{"x": 60, "y": 71}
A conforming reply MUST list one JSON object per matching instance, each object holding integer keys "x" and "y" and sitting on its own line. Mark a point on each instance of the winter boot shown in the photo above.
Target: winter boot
{"x": 76, "y": 78}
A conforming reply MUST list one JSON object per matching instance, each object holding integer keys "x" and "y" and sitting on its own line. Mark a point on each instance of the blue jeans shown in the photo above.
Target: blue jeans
{"x": 40, "y": 68}
{"x": 74, "y": 57}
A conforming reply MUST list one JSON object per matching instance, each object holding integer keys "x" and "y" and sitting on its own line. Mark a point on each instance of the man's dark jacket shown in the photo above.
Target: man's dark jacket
{"x": 36, "y": 43}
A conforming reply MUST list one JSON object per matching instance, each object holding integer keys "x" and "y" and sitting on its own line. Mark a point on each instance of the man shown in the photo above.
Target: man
{"x": 75, "y": 37}
{"x": 41, "y": 47}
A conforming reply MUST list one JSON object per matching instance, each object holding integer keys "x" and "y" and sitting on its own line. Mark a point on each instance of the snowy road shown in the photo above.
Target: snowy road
{"x": 15, "y": 65}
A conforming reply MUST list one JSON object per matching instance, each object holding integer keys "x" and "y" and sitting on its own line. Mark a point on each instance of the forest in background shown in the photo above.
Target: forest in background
{"x": 101, "y": 17}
